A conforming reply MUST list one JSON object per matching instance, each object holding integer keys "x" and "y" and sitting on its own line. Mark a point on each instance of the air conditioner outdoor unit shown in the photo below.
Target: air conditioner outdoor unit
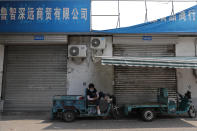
{"x": 77, "y": 50}
{"x": 98, "y": 43}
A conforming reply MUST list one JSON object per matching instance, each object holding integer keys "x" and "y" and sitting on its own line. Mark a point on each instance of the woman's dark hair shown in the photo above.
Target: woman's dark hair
{"x": 91, "y": 85}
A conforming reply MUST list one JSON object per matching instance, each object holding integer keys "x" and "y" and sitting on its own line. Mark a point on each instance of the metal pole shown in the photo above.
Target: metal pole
{"x": 146, "y": 15}
{"x": 118, "y": 22}
{"x": 172, "y": 13}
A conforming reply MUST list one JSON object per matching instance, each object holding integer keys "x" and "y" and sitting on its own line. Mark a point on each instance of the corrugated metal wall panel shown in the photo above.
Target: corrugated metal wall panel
{"x": 144, "y": 50}
{"x": 139, "y": 84}
{"x": 29, "y": 39}
{"x": 33, "y": 75}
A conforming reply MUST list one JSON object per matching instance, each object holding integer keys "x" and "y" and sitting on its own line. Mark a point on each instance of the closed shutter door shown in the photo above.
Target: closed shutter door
{"x": 140, "y": 84}
{"x": 144, "y": 50}
{"x": 33, "y": 75}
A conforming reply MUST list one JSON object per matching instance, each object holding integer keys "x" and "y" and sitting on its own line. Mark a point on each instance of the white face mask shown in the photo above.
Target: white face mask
{"x": 91, "y": 90}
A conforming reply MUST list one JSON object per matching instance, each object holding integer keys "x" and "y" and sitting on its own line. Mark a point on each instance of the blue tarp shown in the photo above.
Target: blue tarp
{"x": 182, "y": 22}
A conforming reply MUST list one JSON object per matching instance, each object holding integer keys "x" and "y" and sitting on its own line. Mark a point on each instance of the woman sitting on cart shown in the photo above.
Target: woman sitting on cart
{"x": 93, "y": 97}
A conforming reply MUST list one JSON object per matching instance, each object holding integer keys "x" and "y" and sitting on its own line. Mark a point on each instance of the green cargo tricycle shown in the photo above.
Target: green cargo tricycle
{"x": 69, "y": 107}
{"x": 164, "y": 105}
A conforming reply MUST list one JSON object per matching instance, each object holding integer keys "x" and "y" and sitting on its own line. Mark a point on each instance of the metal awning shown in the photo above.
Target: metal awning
{"x": 165, "y": 62}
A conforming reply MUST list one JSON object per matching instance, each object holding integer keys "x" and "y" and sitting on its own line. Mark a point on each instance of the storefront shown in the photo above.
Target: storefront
{"x": 39, "y": 58}
{"x": 154, "y": 55}
{"x": 34, "y": 40}
{"x": 140, "y": 84}
{"x": 33, "y": 74}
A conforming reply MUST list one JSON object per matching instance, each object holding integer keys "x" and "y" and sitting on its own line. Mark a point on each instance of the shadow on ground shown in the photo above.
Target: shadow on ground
{"x": 126, "y": 123}
{"x": 97, "y": 123}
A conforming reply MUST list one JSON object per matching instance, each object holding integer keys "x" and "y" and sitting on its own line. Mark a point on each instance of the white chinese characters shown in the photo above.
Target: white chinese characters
{"x": 57, "y": 13}
{"x": 192, "y": 15}
{"x": 41, "y": 14}
{"x": 30, "y": 14}
{"x": 182, "y": 16}
{"x": 48, "y": 12}
{"x": 4, "y": 13}
{"x": 84, "y": 13}
{"x": 75, "y": 14}
{"x": 66, "y": 15}
{"x": 189, "y": 15}
{"x": 21, "y": 12}
{"x": 12, "y": 13}
{"x": 172, "y": 18}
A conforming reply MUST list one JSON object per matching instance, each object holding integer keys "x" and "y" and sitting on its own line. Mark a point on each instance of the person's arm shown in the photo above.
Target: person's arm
{"x": 97, "y": 95}
{"x": 91, "y": 99}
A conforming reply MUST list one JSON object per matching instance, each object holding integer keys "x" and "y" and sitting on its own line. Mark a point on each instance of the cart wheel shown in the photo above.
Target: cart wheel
{"x": 192, "y": 112}
{"x": 148, "y": 115}
{"x": 69, "y": 116}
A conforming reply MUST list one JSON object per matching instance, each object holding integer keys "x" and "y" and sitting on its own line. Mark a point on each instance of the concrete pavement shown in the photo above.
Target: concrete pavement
{"x": 41, "y": 122}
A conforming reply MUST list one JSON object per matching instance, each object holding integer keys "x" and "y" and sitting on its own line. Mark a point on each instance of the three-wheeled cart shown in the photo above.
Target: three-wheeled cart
{"x": 164, "y": 105}
{"x": 70, "y": 107}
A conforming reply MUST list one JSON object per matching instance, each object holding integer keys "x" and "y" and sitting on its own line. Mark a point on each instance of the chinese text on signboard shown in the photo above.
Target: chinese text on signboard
{"x": 45, "y": 16}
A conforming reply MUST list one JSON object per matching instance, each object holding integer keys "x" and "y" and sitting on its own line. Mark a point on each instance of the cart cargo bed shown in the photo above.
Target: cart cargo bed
{"x": 130, "y": 107}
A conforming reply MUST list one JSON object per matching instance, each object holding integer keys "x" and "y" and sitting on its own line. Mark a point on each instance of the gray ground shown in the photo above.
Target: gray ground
{"x": 41, "y": 122}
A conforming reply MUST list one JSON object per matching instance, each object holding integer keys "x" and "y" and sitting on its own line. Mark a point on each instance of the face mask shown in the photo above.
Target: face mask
{"x": 91, "y": 90}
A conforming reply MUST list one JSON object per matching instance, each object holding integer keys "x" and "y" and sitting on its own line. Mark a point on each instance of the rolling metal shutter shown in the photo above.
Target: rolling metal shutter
{"x": 140, "y": 84}
{"x": 144, "y": 50}
{"x": 33, "y": 75}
